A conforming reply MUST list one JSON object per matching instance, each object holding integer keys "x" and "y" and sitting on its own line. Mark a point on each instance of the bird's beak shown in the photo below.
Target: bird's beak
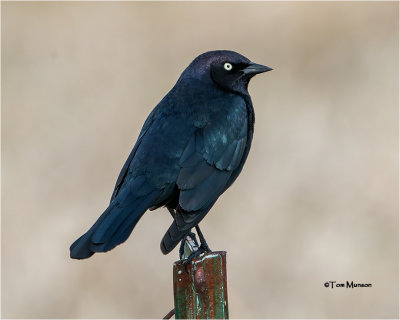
{"x": 254, "y": 68}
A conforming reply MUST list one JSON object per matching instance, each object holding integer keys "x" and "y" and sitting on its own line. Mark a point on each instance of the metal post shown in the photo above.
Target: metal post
{"x": 201, "y": 292}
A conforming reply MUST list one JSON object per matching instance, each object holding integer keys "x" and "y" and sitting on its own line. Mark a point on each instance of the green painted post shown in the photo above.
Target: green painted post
{"x": 201, "y": 292}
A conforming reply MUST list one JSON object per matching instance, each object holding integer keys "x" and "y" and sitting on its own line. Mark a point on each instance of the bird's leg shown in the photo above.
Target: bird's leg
{"x": 182, "y": 249}
{"x": 204, "y": 248}
{"x": 172, "y": 212}
{"x": 203, "y": 242}
{"x": 193, "y": 255}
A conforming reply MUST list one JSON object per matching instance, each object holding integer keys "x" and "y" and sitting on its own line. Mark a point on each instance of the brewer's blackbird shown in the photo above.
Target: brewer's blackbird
{"x": 191, "y": 148}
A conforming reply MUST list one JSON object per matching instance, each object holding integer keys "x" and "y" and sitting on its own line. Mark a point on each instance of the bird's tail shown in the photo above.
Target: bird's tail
{"x": 171, "y": 238}
{"x": 114, "y": 226}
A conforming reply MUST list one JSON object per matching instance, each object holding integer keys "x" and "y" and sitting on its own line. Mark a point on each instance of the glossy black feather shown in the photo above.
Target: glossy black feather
{"x": 190, "y": 150}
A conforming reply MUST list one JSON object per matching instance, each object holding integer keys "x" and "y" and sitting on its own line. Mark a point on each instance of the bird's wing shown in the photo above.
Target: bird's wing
{"x": 209, "y": 159}
{"x": 208, "y": 164}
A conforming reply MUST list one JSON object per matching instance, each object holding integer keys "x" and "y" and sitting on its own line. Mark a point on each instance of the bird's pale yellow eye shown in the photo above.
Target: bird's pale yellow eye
{"x": 228, "y": 66}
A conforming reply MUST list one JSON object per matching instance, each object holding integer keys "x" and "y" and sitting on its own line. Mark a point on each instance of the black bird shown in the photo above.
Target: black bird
{"x": 191, "y": 148}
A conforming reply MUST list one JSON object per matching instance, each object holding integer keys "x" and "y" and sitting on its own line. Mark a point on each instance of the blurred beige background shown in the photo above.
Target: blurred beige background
{"x": 316, "y": 201}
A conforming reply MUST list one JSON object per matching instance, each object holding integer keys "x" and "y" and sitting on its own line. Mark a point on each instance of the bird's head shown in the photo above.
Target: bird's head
{"x": 229, "y": 70}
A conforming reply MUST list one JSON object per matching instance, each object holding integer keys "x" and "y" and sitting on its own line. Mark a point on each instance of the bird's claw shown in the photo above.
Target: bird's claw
{"x": 196, "y": 249}
{"x": 205, "y": 248}
{"x": 194, "y": 255}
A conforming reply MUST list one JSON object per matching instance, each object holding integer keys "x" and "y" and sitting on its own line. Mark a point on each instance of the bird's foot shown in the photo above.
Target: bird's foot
{"x": 204, "y": 246}
{"x": 194, "y": 255}
{"x": 193, "y": 249}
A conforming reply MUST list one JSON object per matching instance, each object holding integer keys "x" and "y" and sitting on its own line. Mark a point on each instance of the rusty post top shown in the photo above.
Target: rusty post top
{"x": 201, "y": 292}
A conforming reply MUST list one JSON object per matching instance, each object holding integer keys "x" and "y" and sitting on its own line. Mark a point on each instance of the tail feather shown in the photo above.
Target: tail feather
{"x": 122, "y": 226}
{"x": 171, "y": 238}
{"x": 113, "y": 227}
{"x": 80, "y": 249}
